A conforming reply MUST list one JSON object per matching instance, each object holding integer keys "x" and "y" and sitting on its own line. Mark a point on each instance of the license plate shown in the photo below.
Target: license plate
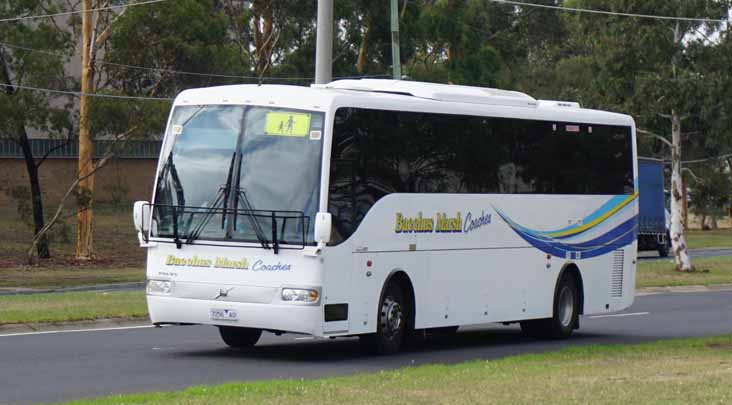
{"x": 224, "y": 315}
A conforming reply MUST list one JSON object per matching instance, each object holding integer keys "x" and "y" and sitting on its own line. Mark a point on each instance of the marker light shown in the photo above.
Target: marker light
{"x": 159, "y": 287}
{"x": 299, "y": 295}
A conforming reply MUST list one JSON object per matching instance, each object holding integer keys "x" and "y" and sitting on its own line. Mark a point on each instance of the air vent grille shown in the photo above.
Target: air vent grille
{"x": 616, "y": 281}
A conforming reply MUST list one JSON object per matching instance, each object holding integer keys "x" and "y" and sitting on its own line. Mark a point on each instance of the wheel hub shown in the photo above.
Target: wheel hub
{"x": 566, "y": 306}
{"x": 392, "y": 317}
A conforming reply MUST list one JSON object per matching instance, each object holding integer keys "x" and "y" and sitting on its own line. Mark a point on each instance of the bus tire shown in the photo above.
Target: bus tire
{"x": 391, "y": 329}
{"x": 239, "y": 338}
{"x": 565, "y": 313}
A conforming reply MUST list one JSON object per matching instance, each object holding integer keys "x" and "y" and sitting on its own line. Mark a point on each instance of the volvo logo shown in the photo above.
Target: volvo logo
{"x": 223, "y": 293}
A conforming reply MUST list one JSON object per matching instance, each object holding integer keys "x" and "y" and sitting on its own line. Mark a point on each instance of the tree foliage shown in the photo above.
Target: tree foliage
{"x": 659, "y": 71}
{"x": 24, "y": 111}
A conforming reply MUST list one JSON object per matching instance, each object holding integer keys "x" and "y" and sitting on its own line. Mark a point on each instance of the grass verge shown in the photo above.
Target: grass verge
{"x": 40, "y": 277}
{"x": 720, "y": 238}
{"x": 77, "y": 306}
{"x": 661, "y": 273}
{"x": 115, "y": 247}
{"x": 676, "y": 371}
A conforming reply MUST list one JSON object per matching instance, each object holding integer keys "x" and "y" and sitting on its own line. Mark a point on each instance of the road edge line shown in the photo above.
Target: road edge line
{"x": 18, "y": 329}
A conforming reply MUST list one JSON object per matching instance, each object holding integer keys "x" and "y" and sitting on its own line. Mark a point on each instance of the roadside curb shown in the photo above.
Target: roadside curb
{"x": 109, "y": 323}
{"x": 112, "y": 323}
{"x": 683, "y": 289}
{"x": 96, "y": 287}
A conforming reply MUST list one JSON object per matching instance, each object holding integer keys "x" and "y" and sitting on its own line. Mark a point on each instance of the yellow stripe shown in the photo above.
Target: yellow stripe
{"x": 596, "y": 220}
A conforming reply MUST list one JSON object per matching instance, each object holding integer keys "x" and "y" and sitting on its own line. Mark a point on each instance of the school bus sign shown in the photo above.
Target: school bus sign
{"x": 287, "y": 124}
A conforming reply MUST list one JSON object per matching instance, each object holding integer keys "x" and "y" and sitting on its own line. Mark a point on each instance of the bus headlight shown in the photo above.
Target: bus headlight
{"x": 159, "y": 287}
{"x": 300, "y": 295}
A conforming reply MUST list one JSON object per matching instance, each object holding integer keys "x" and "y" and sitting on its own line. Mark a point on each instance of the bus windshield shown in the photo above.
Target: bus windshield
{"x": 233, "y": 172}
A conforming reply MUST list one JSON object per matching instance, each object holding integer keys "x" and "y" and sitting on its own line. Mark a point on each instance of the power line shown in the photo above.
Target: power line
{"x": 149, "y": 69}
{"x": 122, "y": 97}
{"x": 179, "y": 72}
{"x": 33, "y": 17}
{"x": 615, "y": 13}
{"x": 78, "y": 93}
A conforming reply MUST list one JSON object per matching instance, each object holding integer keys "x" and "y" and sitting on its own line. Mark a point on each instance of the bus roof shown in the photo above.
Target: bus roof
{"x": 402, "y": 95}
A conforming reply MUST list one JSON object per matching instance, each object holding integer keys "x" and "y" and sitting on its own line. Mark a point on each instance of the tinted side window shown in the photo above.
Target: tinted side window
{"x": 376, "y": 152}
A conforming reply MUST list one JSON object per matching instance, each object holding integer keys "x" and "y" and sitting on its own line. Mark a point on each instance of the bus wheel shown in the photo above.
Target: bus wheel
{"x": 391, "y": 330}
{"x": 239, "y": 338}
{"x": 566, "y": 313}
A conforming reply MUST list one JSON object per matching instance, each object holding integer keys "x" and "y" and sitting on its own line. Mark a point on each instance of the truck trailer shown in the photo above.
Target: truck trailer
{"x": 653, "y": 230}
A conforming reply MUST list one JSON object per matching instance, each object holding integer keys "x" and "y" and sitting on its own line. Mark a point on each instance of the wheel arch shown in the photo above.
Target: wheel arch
{"x": 572, "y": 269}
{"x": 401, "y": 279}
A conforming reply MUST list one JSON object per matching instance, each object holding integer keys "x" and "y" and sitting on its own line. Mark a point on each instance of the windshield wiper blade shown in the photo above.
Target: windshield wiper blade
{"x": 210, "y": 210}
{"x": 242, "y": 196}
{"x": 227, "y": 191}
{"x": 275, "y": 243}
{"x": 221, "y": 196}
{"x": 176, "y": 237}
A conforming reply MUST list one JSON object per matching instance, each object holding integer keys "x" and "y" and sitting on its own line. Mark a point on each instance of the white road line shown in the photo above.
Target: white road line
{"x": 619, "y": 315}
{"x": 305, "y": 338}
{"x": 49, "y": 332}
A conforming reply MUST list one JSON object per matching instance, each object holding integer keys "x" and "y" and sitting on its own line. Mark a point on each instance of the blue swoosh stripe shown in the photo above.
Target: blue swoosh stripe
{"x": 622, "y": 235}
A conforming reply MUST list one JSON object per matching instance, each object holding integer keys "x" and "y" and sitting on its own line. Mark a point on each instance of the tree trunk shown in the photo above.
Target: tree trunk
{"x": 728, "y": 208}
{"x": 678, "y": 242}
{"x": 361, "y": 61}
{"x": 685, "y": 205}
{"x": 263, "y": 27}
{"x": 85, "y": 215}
{"x": 36, "y": 198}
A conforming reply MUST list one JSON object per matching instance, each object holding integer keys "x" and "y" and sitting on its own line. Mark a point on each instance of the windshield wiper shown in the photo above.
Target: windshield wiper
{"x": 275, "y": 243}
{"x": 221, "y": 196}
{"x": 169, "y": 169}
{"x": 176, "y": 238}
{"x": 242, "y": 196}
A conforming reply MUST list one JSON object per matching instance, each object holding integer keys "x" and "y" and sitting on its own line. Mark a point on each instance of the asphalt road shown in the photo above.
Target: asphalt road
{"x": 73, "y": 365}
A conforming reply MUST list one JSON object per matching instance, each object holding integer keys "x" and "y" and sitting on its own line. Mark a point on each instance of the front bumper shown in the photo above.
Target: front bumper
{"x": 281, "y": 317}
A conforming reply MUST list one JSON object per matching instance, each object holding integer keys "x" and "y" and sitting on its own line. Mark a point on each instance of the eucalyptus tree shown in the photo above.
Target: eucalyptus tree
{"x": 646, "y": 67}
{"x": 21, "y": 67}
{"x": 458, "y": 38}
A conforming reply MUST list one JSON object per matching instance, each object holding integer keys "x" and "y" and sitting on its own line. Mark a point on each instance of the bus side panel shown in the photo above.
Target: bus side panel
{"x": 491, "y": 285}
{"x": 488, "y": 258}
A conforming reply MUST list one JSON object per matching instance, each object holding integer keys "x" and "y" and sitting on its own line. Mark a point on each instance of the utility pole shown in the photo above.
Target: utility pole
{"x": 395, "y": 58}
{"x": 324, "y": 43}
{"x": 86, "y": 147}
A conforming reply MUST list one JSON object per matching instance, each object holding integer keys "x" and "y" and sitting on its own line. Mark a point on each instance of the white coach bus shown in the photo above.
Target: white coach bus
{"x": 384, "y": 208}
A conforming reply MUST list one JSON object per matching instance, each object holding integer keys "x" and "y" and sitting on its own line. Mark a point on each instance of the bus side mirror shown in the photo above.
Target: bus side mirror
{"x": 323, "y": 226}
{"x": 141, "y": 213}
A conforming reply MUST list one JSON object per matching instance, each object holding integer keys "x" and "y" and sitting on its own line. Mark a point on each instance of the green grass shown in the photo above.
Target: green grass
{"x": 720, "y": 238}
{"x": 661, "y": 273}
{"x": 77, "y": 306}
{"x": 59, "y": 277}
{"x": 118, "y": 255}
{"x": 676, "y": 371}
